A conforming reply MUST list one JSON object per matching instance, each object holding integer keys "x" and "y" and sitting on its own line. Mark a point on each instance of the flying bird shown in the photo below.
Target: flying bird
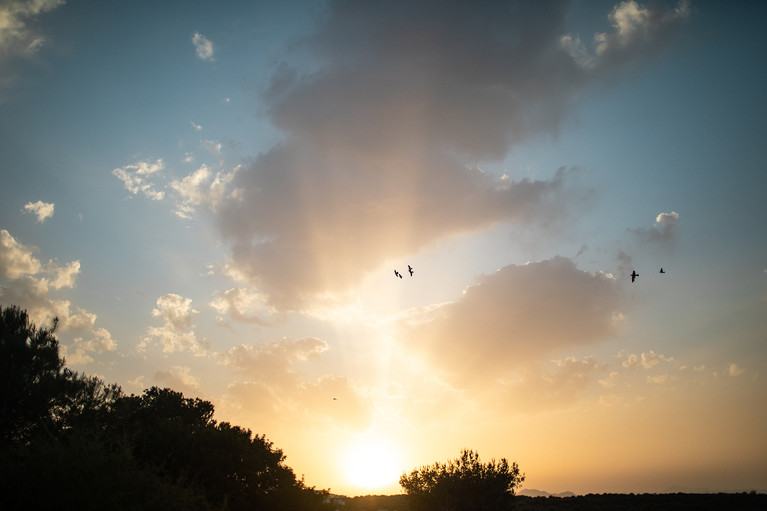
{"x": 661, "y": 271}
{"x": 396, "y": 273}
{"x": 410, "y": 269}
{"x": 634, "y": 275}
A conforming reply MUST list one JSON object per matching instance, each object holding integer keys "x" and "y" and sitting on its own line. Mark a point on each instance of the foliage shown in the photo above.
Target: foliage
{"x": 31, "y": 376}
{"x": 73, "y": 441}
{"x": 463, "y": 484}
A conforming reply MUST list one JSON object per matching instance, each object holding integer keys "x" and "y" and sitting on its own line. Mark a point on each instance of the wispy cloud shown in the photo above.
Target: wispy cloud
{"x": 203, "y": 47}
{"x": 137, "y": 178}
{"x": 19, "y": 35}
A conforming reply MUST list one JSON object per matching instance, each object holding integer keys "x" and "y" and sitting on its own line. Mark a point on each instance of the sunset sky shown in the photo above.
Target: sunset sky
{"x": 214, "y": 196}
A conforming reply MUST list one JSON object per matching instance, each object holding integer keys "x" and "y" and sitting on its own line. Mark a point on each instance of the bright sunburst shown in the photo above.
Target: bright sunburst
{"x": 371, "y": 463}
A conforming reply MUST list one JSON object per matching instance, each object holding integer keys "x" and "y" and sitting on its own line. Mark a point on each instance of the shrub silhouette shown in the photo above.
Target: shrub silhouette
{"x": 463, "y": 484}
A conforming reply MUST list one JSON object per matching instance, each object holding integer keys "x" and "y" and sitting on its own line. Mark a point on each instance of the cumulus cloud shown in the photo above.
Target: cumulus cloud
{"x": 137, "y": 178}
{"x": 518, "y": 315}
{"x": 42, "y": 210}
{"x": 16, "y": 259}
{"x": 201, "y": 188}
{"x": 79, "y": 353}
{"x": 202, "y": 46}
{"x": 241, "y": 305}
{"x": 664, "y": 230}
{"x": 177, "y": 331}
{"x": 33, "y": 286}
{"x": 373, "y": 164}
{"x": 646, "y": 360}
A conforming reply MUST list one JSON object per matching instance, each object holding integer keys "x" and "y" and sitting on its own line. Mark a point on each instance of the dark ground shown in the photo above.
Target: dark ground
{"x": 621, "y": 502}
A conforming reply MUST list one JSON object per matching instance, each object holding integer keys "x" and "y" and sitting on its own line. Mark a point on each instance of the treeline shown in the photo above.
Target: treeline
{"x": 74, "y": 442}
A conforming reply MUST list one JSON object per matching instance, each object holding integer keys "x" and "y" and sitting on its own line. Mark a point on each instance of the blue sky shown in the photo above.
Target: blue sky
{"x": 214, "y": 196}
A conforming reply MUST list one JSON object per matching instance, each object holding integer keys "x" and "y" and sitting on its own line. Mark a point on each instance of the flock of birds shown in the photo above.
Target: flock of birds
{"x": 409, "y": 268}
{"x": 634, "y": 274}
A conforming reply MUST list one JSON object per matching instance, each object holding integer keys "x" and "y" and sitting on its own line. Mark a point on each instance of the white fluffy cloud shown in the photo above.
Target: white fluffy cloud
{"x": 42, "y": 210}
{"x": 177, "y": 331}
{"x": 16, "y": 259}
{"x": 80, "y": 352}
{"x": 201, "y": 188}
{"x": 203, "y": 47}
{"x": 34, "y": 286}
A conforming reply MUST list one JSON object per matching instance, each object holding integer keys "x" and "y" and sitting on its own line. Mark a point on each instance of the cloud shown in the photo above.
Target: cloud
{"x": 664, "y": 230}
{"x": 373, "y": 165}
{"x": 201, "y": 188}
{"x": 735, "y": 370}
{"x": 16, "y": 259}
{"x": 516, "y": 316}
{"x": 241, "y": 305}
{"x": 80, "y": 352}
{"x": 32, "y": 286}
{"x": 176, "y": 332}
{"x": 554, "y": 385}
{"x": 203, "y": 47}
{"x": 637, "y": 30}
{"x": 136, "y": 178}
{"x": 646, "y": 360}
{"x": 271, "y": 362}
{"x": 180, "y": 379}
{"x": 273, "y": 390}
{"x": 43, "y": 210}
{"x": 19, "y": 35}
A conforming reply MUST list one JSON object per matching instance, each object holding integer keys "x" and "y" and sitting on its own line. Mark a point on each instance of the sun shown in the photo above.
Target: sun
{"x": 371, "y": 463}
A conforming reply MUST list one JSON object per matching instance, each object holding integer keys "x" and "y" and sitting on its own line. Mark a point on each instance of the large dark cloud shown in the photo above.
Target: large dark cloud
{"x": 518, "y": 316}
{"x": 400, "y": 97}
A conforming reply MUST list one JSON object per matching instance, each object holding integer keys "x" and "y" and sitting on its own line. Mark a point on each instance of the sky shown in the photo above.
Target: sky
{"x": 214, "y": 197}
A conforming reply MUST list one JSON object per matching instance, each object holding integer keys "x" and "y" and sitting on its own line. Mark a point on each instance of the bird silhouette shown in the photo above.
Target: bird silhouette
{"x": 661, "y": 271}
{"x": 634, "y": 275}
{"x": 410, "y": 269}
{"x": 396, "y": 273}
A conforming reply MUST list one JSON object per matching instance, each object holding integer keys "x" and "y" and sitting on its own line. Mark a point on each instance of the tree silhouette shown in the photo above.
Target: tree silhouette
{"x": 463, "y": 484}
{"x": 75, "y": 442}
{"x": 31, "y": 376}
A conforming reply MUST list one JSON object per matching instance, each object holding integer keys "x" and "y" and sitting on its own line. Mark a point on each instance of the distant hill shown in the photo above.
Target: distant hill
{"x": 530, "y": 492}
